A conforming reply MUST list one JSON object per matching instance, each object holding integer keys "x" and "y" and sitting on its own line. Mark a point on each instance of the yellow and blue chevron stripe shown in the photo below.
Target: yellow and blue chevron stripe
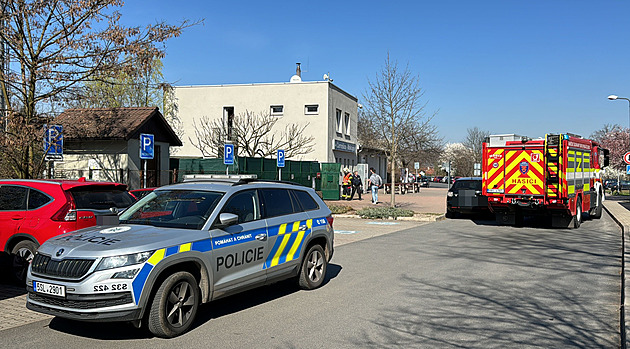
{"x": 289, "y": 242}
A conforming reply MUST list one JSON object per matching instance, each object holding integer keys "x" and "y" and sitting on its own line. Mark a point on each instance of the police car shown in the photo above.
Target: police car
{"x": 183, "y": 245}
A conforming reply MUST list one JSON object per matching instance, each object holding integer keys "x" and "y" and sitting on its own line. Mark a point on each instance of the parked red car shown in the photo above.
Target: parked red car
{"x": 32, "y": 211}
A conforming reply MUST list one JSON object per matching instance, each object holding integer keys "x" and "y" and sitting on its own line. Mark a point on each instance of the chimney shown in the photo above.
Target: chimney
{"x": 298, "y": 71}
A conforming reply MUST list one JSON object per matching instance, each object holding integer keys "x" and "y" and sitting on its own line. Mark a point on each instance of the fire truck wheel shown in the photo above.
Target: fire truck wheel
{"x": 577, "y": 219}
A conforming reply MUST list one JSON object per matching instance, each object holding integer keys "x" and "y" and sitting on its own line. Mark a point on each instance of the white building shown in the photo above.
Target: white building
{"x": 330, "y": 112}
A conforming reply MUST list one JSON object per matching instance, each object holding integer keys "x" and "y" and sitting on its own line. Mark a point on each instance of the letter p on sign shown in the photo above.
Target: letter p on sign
{"x": 146, "y": 146}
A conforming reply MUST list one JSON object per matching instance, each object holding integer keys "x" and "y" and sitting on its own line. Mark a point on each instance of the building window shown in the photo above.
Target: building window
{"x": 339, "y": 121}
{"x": 228, "y": 117}
{"x": 277, "y": 110}
{"x": 346, "y": 117}
{"x": 311, "y": 109}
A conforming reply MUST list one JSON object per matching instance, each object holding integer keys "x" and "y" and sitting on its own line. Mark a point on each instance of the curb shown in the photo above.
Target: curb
{"x": 623, "y": 328}
{"x": 418, "y": 217}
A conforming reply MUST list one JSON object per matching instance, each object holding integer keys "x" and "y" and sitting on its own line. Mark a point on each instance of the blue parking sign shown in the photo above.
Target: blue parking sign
{"x": 53, "y": 140}
{"x": 280, "y": 158}
{"x": 627, "y": 169}
{"x": 146, "y": 146}
{"x": 228, "y": 154}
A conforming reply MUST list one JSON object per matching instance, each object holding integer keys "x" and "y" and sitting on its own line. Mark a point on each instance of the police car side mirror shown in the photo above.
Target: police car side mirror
{"x": 227, "y": 219}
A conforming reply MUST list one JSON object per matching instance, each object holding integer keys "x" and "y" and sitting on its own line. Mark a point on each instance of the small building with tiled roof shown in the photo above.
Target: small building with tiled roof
{"x": 104, "y": 144}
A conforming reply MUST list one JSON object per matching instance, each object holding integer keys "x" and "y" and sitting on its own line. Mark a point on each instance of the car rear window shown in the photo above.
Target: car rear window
{"x": 306, "y": 200}
{"x": 98, "y": 198}
{"x": 37, "y": 199}
{"x": 466, "y": 185}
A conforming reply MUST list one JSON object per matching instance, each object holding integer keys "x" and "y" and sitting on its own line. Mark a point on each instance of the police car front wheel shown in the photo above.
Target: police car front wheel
{"x": 174, "y": 306}
{"x": 313, "y": 268}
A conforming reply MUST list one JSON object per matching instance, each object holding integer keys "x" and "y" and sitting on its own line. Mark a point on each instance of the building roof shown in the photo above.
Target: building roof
{"x": 115, "y": 124}
{"x": 301, "y": 83}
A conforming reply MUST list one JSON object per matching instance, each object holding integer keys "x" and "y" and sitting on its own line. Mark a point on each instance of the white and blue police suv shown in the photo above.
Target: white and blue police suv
{"x": 180, "y": 246}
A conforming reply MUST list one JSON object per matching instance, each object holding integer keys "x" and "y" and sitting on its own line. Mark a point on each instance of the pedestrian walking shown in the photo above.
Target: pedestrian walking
{"x": 346, "y": 184}
{"x": 357, "y": 185}
{"x": 374, "y": 182}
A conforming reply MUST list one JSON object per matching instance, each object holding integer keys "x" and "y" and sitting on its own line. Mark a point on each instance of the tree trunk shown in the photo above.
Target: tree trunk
{"x": 393, "y": 155}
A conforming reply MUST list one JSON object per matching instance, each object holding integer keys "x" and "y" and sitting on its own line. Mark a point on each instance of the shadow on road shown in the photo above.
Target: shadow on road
{"x": 528, "y": 288}
{"x": 205, "y": 313}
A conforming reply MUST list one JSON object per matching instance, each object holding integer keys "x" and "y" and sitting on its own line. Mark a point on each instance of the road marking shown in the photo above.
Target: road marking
{"x": 346, "y": 231}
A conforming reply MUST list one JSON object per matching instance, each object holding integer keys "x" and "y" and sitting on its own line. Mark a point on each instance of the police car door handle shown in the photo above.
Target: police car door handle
{"x": 303, "y": 227}
{"x": 261, "y": 237}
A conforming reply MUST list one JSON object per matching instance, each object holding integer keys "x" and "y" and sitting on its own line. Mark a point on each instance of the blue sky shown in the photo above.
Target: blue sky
{"x": 526, "y": 67}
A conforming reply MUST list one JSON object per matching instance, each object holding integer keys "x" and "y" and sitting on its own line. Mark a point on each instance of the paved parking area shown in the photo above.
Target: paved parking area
{"x": 13, "y": 312}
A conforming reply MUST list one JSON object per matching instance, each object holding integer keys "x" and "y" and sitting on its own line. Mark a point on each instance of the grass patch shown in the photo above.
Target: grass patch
{"x": 384, "y": 212}
{"x": 340, "y": 209}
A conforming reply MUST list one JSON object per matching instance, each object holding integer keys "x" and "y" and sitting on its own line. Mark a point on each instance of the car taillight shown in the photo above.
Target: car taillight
{"x": 330, "y": 220}
{"x": 67, "y": 212}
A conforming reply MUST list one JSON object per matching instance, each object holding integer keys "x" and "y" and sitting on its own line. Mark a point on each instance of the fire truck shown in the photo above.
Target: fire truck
{"x": 557, "y": 177}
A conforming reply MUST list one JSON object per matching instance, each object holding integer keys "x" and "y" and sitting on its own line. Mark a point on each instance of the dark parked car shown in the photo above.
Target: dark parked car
{"x": 613, "y": 186}
{"x": 465, "y": 196}
{"x": 624, "y": 185}
{"x": 423, "y": 181}
{"x": 610, "y": 184}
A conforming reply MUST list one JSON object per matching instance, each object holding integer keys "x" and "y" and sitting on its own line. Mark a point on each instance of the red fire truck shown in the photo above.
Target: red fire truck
{"x": 557, "y": 177}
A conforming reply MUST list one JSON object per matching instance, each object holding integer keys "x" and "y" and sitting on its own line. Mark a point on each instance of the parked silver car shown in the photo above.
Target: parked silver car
{"x": 180, "y": 246}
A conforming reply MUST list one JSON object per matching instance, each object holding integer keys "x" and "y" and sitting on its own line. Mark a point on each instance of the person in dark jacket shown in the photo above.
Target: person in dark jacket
{"x": 357, "y": 185}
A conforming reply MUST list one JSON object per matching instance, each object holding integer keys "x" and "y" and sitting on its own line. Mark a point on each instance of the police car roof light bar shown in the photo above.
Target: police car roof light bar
{"x": 219, "y": 177}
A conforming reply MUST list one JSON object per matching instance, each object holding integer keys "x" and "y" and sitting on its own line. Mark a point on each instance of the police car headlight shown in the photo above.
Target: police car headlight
{"x": 124, "y": 260}
{"x": 449, "y": 194}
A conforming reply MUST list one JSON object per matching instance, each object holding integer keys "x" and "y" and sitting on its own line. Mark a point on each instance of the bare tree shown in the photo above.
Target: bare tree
{"x": 395, "y": 112}
{"x": 474, "y": 140}
{"x": 252, "y": 134}
{"x": 602, "y": 133}
{"x": 53, "y": 47}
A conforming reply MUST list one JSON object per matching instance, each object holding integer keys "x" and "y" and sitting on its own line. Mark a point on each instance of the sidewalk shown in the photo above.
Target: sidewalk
{"x": 619, "y": 209}
{"x": 428, "y": 200}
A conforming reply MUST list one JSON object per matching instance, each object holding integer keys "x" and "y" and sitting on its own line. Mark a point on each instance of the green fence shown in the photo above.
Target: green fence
{"x": 302, "y": 172}
{"x": 330, "y": 180}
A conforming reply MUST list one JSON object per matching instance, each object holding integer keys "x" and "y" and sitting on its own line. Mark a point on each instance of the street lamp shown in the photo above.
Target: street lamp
{"x": 615, "y": 97}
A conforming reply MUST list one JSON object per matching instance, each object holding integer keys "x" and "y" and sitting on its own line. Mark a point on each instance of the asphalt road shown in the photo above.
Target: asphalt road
{"x": 448, "y": 284}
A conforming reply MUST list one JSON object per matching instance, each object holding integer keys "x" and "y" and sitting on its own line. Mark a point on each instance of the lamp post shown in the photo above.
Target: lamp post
{"x": 612, "y": 98}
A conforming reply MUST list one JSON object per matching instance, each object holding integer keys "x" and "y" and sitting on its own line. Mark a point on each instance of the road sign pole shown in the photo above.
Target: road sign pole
{"x": 279, "y": 173}
{"x": 144, "y": 174}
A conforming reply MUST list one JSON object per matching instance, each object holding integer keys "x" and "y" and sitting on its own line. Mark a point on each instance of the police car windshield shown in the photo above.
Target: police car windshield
{"x": 187, "y": 209}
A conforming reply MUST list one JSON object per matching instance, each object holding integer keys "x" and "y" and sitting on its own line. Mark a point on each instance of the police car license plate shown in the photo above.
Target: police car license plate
{"x": 46, "y": 288}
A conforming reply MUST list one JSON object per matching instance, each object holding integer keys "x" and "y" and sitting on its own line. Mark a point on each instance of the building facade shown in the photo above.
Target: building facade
{"x": 104, "y": 145}
{"x": 330, "y": 113}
